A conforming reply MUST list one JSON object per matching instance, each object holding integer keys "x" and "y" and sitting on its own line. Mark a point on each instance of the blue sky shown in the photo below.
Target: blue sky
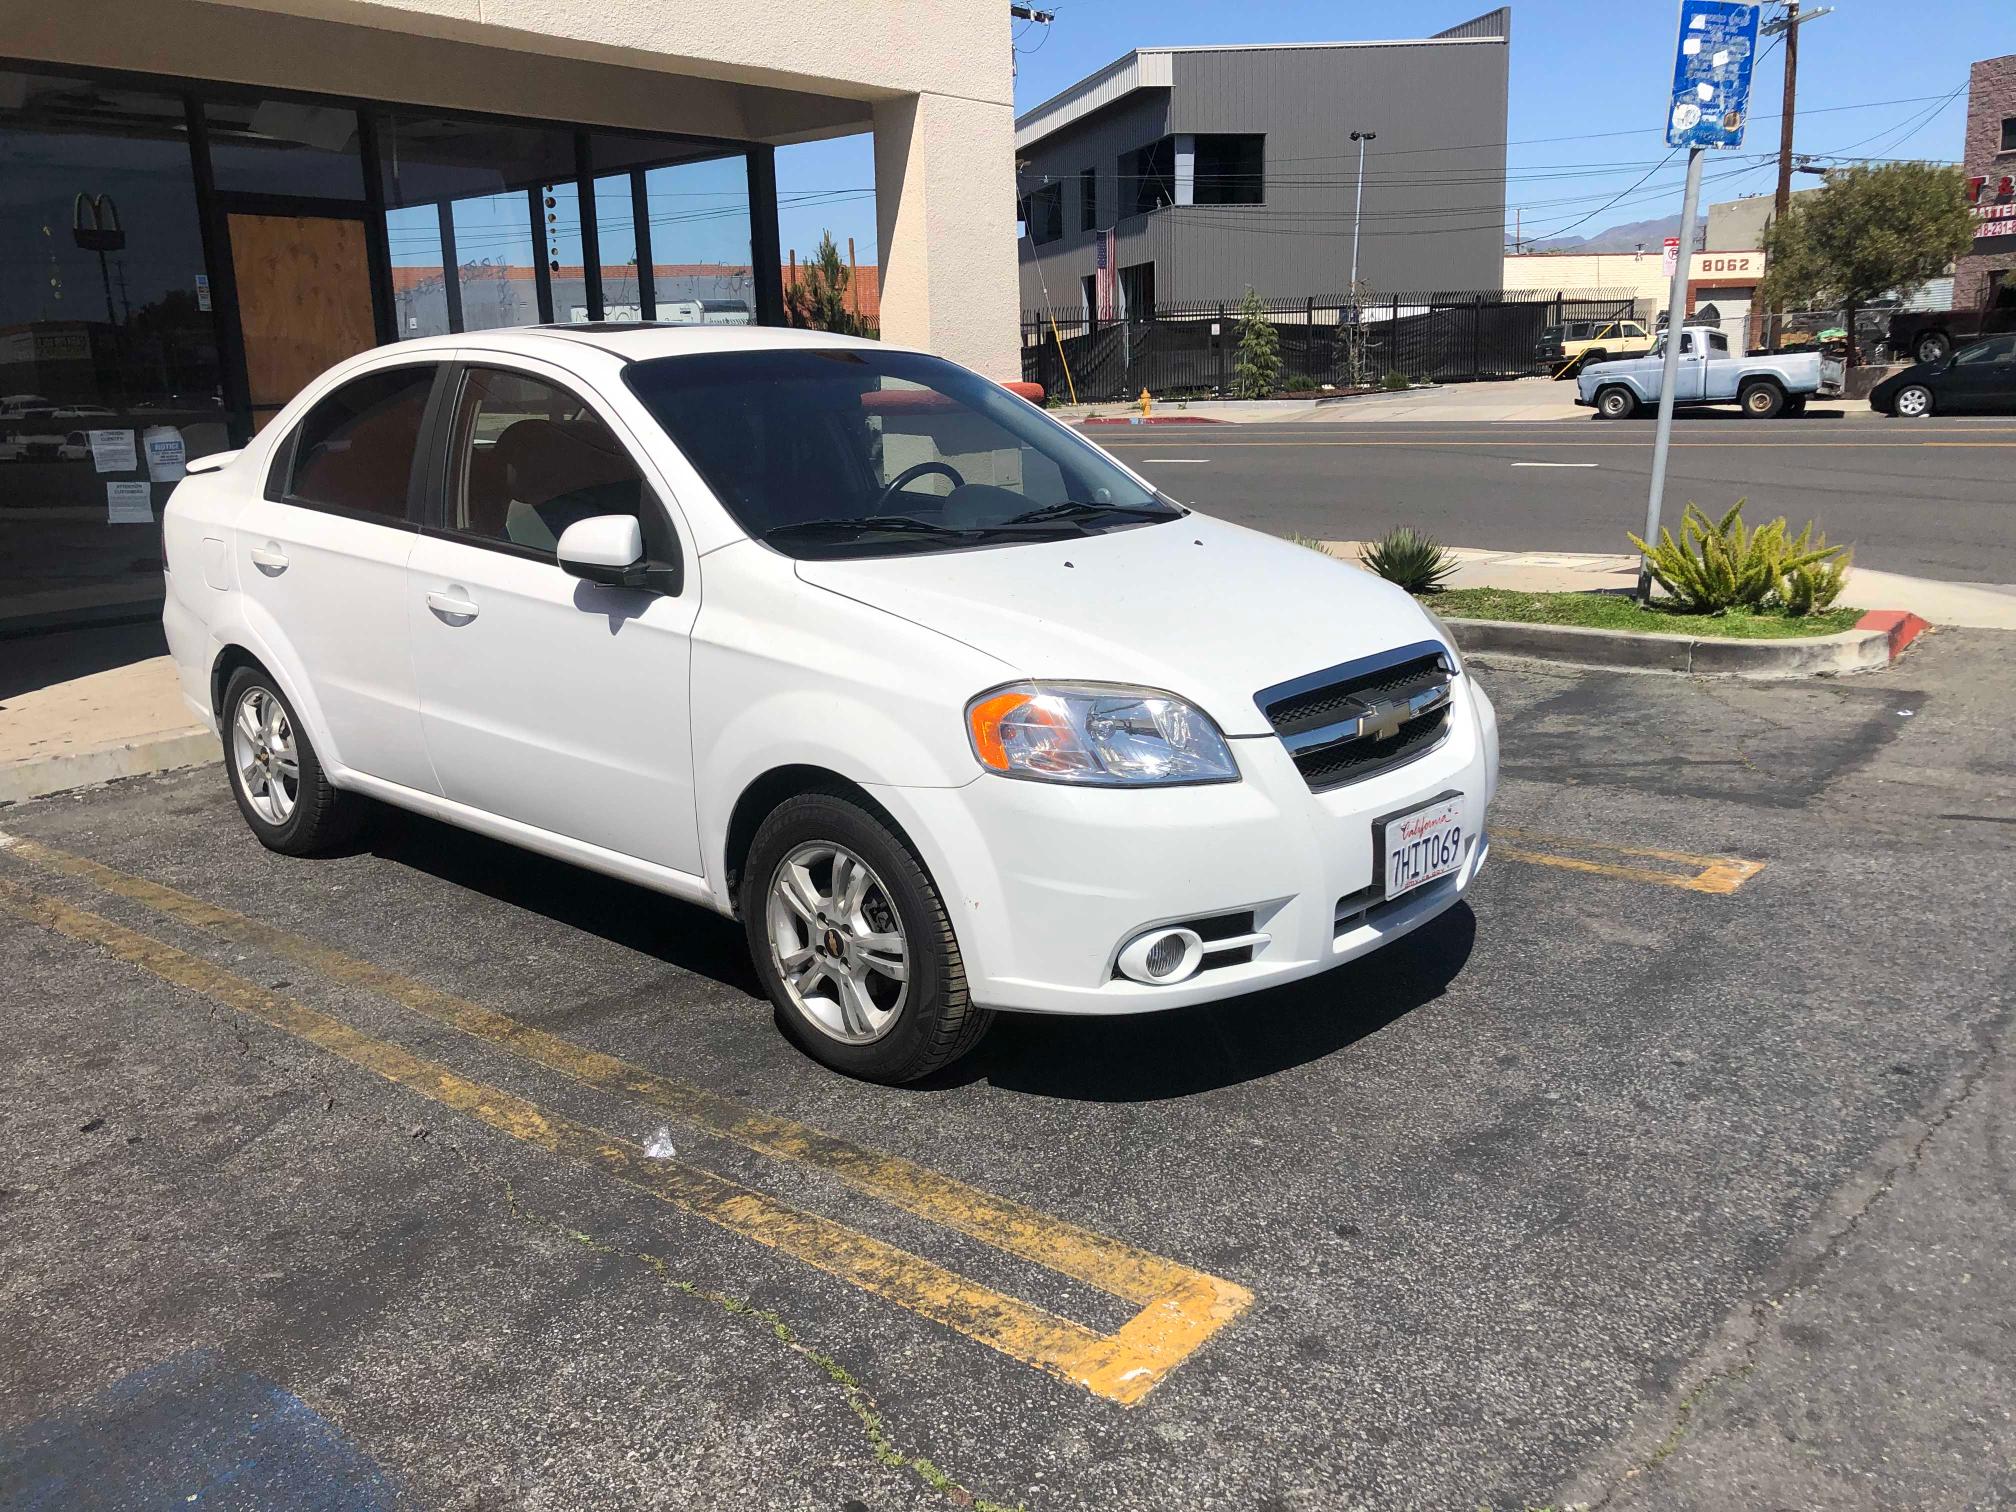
{"x": 1578, "y": 69}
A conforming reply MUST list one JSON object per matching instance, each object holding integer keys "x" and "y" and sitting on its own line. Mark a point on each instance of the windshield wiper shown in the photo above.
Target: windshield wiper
{"x": 1073, "y": 510}
{"x": 893, "y": 524}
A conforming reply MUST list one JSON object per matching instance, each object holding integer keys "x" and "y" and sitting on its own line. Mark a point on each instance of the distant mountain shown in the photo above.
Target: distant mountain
{"x": 1649, "y": 234}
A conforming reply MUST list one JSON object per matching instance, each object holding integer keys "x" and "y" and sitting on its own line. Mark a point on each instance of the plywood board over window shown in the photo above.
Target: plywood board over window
{"x": 304, "y": 300}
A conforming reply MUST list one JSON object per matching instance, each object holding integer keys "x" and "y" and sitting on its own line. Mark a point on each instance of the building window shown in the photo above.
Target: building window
{"x": 1045, "y": 214}
{"x": 1148, "y": 177}
{"x": 1088, "y": 199}
{"x": 2009, "y": 133}
{"x": 1137, "y": 290}
{"x": 1231, "y": 170}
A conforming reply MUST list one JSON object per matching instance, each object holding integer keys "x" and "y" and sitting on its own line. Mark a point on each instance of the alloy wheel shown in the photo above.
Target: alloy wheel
{"x": 262, "y": 748}
{"x": 1913, "y": 402}
{"x": 837, "y": 943}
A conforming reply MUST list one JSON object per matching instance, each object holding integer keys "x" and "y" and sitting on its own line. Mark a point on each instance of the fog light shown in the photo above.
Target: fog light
{"x": 1159, "y": 957}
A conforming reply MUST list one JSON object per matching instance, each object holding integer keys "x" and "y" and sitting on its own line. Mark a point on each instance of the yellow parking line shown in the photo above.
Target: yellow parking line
{"x": 1709, "y": 874}
{"x": 1180, "y": 1307}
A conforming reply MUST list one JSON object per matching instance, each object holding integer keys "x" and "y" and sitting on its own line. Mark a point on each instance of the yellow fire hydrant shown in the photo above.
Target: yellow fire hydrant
{"x": 1147, "y": 404}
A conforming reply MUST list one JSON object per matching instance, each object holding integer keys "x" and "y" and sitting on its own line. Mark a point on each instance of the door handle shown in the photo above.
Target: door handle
{"x": 269, "y": 559}
{"x": 451, "y": 610}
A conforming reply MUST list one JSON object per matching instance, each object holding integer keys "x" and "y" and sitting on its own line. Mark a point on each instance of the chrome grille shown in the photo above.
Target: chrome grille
{"x": 1349, "y": 722}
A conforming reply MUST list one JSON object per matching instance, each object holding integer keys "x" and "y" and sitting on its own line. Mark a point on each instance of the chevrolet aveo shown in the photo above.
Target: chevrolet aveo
{"x": 952, "y": 710}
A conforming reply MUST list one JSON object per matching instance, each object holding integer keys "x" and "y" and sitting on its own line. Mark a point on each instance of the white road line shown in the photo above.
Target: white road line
{"x": 1175, "y": 459}
{"x": 1554, "y": 464}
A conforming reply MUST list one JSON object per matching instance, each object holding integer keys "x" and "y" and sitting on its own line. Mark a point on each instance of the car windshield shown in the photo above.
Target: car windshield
{"x": 855, "y": 451}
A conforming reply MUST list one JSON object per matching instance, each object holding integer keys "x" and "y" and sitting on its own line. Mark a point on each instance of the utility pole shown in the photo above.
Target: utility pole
{"x": 1788, "y": 25}
{"x": 1036, "y": 17}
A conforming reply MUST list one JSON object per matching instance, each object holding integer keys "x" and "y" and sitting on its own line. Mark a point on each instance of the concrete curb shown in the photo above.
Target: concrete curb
{"x": 1153, "y": 420}
{"x": 1861, "y": 649}
{"x": 42, "y": 775}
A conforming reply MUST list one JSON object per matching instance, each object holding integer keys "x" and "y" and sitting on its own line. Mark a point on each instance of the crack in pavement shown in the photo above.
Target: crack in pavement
{"x": 857, "y": 1397}
{"x": 1748, "y": 1340}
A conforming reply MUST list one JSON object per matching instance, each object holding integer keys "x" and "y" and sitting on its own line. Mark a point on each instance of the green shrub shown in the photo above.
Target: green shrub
{"x": 1718, "y": 564}
{"x": 1259, "y": 369}
{"x": 1418, "y": 563}
{"x": 1394, "y": 382}
{"x": 1298, "y": 383}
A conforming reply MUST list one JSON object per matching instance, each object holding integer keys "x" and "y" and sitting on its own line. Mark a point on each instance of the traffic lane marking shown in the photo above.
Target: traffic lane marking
{"x": 1174, "y": 459}
{"x": 1790, "y": 442}
{"x": 1708, "y": 874}
{"x": 1556, "y": 464}
{"x": 1180, "y": 1307}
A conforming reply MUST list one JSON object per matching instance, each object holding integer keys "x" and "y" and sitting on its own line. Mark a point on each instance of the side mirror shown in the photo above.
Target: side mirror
{"x": 602, "y": 548}
{"x": 609, "y": 549}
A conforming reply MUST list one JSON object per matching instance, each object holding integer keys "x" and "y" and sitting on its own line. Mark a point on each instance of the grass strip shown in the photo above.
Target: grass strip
{"x": 1617, "y": 611}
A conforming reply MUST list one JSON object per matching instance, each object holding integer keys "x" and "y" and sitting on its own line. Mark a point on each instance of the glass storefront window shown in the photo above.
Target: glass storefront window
{"x": 616, "y": 235}
{"x": 700, "y": 241}
{"x": 282, "y": 147}
{"x": 560, "y": 211}
{"x": 493, "y": 257}
{"x": 419, "y": 287}
{"x": 109, "y": 371}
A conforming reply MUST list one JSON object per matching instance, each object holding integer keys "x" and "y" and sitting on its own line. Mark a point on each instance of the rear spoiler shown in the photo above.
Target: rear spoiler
{"x": 215, "y": 462}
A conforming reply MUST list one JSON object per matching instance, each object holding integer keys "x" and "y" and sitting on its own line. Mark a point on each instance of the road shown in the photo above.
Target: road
{"x": 1645, "y": 1177}
{"x": 1932, "y": 498}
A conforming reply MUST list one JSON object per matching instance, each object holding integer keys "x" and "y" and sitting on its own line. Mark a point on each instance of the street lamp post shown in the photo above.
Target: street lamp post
{"x": 1358, "y": 209}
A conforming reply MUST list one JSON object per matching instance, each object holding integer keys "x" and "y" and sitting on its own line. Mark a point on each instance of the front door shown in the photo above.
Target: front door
{"x": 1982, "y": 377}
{"x": 556, "y": 702}
{"x": 304, "y": 300}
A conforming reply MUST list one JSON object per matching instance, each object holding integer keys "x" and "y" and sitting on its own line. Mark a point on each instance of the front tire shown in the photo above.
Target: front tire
{"x": 1912, "y": 402}
{"x": 1616, "y": 403}
{"x": 275, "y": 774}
{"x": 853, "y": 944}
{"x": 1761, "y": 401}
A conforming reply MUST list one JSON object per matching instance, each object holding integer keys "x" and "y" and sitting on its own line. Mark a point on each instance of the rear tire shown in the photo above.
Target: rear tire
{"x": 797, "y": 906}
{"x": 1761, "y": 401}
{"x": 1933, "y": 346}
{"x": 275, "y": 774}
{"x": 1616, "y": 403}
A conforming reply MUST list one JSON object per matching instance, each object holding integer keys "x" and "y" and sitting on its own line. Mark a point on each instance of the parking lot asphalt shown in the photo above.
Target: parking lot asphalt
{"x": 1671, "y": 1171}
{"x": 1930, "y": 498}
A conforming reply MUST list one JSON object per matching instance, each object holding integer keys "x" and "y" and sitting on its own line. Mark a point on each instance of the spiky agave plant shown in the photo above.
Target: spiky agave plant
{"x": 1718, "y": 565}
{"x": 1418, "y": 563}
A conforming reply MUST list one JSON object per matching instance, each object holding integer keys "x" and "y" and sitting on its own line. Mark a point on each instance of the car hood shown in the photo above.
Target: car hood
{"x": 1207, "y": 610}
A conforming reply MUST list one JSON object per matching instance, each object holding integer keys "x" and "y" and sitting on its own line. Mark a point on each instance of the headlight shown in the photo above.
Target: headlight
{"x": 1096, "y": 735}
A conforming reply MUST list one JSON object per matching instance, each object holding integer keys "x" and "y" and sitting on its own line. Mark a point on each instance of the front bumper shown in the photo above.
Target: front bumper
{"x": 1046, "y": 883}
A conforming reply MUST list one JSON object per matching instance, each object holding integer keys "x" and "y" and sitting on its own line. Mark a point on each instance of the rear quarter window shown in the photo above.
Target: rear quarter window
{"x": 352, "y": 454}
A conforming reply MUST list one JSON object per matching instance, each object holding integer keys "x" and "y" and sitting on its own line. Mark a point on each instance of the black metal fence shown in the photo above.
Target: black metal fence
{"x": 1193, "y": 349}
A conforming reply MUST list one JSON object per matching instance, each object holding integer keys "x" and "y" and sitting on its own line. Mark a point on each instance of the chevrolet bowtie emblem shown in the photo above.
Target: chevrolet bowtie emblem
{"x": 1382, "y": 721}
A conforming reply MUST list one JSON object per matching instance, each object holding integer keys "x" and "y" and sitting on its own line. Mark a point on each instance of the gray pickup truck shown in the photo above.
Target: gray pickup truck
{"x": 1710, "y": 373}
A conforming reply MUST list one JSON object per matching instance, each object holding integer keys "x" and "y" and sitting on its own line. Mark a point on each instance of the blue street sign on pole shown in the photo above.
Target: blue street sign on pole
{"x": 1711, "y": 73}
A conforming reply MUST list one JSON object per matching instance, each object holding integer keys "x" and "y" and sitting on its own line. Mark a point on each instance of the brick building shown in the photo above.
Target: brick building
{"x": 1990, "y": 163}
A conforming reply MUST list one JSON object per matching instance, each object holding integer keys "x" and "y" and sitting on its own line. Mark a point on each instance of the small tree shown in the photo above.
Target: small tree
{"x": 1871, "y": 231}
{"x": 1259, "y": 371}
{"x": 817, "y": 301}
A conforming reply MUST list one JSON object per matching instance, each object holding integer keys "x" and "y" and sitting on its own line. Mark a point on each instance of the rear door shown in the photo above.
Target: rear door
{"x": 323, "y": 554}
{"x": 546, "y": 699}
{"x": 1982, "y": 378}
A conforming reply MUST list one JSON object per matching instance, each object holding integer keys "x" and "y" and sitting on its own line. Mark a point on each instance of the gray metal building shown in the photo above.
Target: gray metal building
{"x": 1220, "y": 168}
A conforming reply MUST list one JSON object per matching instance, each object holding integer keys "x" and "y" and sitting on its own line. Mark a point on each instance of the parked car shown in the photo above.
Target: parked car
{"x": 950, "y": 708}
{"x": 74, "y": 447}
{"x": 1932, "y": 335}
{"x": 1977, "y": 379}
{"x": 1762, "y": 386}
{"x": 1569, "y": 347}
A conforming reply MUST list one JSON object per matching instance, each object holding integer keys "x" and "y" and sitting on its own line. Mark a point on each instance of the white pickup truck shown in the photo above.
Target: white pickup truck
{"x": 1764, "y": 386}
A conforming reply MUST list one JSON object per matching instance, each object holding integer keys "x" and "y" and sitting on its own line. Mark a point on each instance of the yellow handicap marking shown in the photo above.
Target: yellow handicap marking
{"x": 1180, "y": 1307}
{"x": 1709, "y": 874}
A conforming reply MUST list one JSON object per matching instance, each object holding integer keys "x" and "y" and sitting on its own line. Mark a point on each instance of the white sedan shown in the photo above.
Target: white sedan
{"x": 952, "y": 710}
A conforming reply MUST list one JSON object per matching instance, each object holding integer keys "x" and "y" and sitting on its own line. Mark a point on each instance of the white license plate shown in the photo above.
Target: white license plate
{"x": 1423, "y": 844}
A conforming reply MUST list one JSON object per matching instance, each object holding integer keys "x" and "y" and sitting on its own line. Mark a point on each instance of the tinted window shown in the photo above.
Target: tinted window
{"x": 354, "y": 452}
{"x": 787, "y": 438}
{"x": 1229, "y": 170}
{"x": 1045, "y": 213}
{"x": 2000, "y": 349}
{"x": 1718, "y": 342}
{"x": 530, "y": 459}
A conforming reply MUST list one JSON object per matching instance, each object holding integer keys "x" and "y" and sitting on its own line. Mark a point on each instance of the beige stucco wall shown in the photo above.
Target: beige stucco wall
{"x": 931, "y": 77}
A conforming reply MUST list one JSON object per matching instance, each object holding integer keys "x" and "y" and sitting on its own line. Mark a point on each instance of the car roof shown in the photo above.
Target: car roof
{"x": 636, "y": 341}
